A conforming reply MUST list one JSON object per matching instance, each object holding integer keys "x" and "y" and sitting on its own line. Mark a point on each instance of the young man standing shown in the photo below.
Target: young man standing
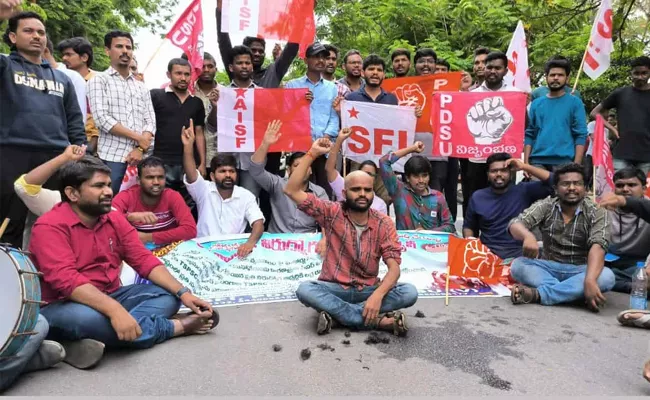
{"x": 122, "y": 109}
{"x": 417, "y": 206}
{"x": 40, "y": 114}
{"x": 206, "y": 90}
{"x": 401, "y": 61}
{"x": 77, "y": 81}
{"x": 330, "y": 69}
{"x": 158, "y": 213}
{"x": 576, "y": 233}
{"x": 632, "y": 104}
{"x": 353, "y": 65}
{"x": 442, "y": 66}
{"x": 557, "y": 123}
{"x": 175, "y": 107}
{"x": 348, "y": 289}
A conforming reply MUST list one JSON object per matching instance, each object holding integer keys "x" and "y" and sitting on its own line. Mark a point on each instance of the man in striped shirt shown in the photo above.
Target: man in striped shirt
{"x": 576, "y": 236}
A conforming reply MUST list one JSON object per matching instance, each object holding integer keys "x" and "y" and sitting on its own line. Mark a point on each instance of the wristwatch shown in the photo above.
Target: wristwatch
{"x": 182, "y": 291}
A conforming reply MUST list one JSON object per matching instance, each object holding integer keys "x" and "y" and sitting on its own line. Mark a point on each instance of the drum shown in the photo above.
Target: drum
{"x": 20, "y": 300}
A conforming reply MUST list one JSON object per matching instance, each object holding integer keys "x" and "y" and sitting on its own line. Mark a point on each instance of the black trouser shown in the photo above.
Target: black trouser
{"x": 472, "y": 179}
{"x": 444, "y": 178}
{"x": 15, "y": 161}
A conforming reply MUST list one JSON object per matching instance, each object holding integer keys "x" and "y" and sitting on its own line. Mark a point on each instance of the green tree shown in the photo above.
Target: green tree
{"x": 92, "y": 19}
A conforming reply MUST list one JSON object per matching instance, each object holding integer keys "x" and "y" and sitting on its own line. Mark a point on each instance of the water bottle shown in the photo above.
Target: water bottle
{"x": 639, "y": 293}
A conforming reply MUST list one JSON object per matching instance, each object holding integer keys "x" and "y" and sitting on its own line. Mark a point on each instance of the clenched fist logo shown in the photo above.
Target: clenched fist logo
{"x": 488, "y": 120}
{"x": 480, "y": 260}
{"x": 410, "y": 94}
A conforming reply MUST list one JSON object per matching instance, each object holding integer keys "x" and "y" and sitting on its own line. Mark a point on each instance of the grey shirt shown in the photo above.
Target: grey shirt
{"x": 286, "y": 216}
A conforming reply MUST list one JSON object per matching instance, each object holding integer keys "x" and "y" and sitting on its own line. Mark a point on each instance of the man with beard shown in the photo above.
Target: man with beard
{"x": 286, "y": 217}
{"x": 542, "y": 91}
{"x": 122, "y": 109}
{"x": 401, "y": 60}
{"x": 557, "y": 123}
{"x": 330, "y": 69}
{"x": 442, "y": 66}
{"x": 158, "y": 213}
{"x": 174, "y": 106}
{"x": 576, "y": 235}
{"x": 224, "y": 208}
{"x": 353, "y": 65}
{"x": 324, "y": 118}
{"x": 491, "y": 209}
{"x": 417, "y": 206}
{"x": 480, "y": 56}
{"x": 632, "y": 104}
{"x": 79, "y": 246}
{"x": 348, "y": 289}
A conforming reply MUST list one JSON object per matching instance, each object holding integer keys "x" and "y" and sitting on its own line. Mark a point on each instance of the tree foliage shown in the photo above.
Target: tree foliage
{"x": 94, "y": 18}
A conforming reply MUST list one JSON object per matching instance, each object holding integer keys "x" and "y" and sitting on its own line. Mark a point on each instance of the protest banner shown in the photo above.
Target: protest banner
{"x": 518, "y": 74}
{"x": 376, "y": 130}
{"x": 279, "y": 262}
{"x": 417, "y": 91}
{"x": 603, "y": 162}
{"x": 287, "y": 20}
{"x": 597, "y": 56}
{"x": 478, "y": 124}
{"x": 470, "y": 258}
{"x": 244, "y": 114}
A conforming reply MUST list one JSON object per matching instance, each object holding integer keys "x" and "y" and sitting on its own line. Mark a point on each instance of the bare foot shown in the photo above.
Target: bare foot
{"x": 191, "y": 324}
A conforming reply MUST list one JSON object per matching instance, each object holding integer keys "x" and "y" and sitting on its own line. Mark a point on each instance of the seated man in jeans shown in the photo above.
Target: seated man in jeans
{"x": 348, "y": 289}
{"x": 79, "y": 246}
{"x": 575, "y": 232}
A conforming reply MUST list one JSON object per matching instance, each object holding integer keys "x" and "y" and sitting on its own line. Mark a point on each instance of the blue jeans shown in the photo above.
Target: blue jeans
{"x": 150, "y": 305}
{"x": 117, "y": 174}
{"x": 11, "y": 368}
{"x": 557, "y": 283}
{"x": 346, "y": 305}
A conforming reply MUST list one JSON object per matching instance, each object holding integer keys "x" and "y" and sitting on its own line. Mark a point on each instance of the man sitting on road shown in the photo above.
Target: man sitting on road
{"x": 490, "y": 210}
{"x": 575, "y": 233}
{"x": 348, "y": 289}
{"x": 416, "y": 205}
{"x": 159, "y": 214}
{"x": 287, "y": 218}
{"x": 79, "y": 246}
{"x": 336, "y": 180}
{"x": 224, "y": 208}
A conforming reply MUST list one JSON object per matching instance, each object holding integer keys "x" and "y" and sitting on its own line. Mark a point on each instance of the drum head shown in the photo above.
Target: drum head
{"x": 11, "y": 296}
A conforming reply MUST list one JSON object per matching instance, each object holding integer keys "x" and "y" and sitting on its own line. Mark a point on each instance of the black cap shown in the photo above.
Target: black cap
{"x": 315, "y": 49}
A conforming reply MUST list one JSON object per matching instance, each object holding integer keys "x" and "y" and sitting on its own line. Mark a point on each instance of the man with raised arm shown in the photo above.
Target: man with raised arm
{"x": 348, "y": 289}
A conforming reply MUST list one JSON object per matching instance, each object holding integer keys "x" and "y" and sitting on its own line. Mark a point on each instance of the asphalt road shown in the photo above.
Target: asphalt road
{"x": 472, "y": 347}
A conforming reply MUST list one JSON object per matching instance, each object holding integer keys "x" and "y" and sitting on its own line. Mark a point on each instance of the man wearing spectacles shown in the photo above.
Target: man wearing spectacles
{"x": 576, "y": 235}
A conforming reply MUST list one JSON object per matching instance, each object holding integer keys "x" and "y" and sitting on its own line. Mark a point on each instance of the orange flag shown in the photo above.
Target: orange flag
{"x": 470, "y": 258}
{"x": 418, "y": 91}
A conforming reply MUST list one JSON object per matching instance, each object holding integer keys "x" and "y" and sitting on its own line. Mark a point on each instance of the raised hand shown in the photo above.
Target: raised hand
{"x": 74, "y": 152}
{"x": 320, "y": 147}
{"x": 515, "y": 163}
{"x": 418, "y": 147}
{"x": 273, "y": 133}
{"x": 488, "y": 120}
{"x": 213, "y": 96}
{"x": 7, "y": 8}
{"x": 277, "y": 50}
{"x": 344, "y": 134}
{"x": 187, "y": 134}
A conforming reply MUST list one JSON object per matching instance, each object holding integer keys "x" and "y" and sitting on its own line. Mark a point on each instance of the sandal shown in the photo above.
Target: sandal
{"x": 521, "y": 294}
{"x": 641, "y": 322}
{"x": 399, "y": 323}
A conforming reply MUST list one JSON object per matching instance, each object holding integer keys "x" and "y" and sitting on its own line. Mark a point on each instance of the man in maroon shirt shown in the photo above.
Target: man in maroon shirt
{"x": 79, "y": 246}
{"x": 348, "y": 289}
{"x": 159, "y": 214}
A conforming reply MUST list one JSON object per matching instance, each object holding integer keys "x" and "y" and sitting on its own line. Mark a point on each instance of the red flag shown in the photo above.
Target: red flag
{"x": 244, "y": 114}
{"x": 478, "y": 124}
{"x": 470, "y": 258}
{"x": 603, "y": 163}
{"x": 417, "y": 91}
{"x": 187, "y": 34}
{"x": 287, "y": 20}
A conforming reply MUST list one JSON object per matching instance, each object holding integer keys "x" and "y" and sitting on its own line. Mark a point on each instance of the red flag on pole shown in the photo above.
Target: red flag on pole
{"x": 470, "y": 258}
{"x": 187, "y": 34}
{"x": 603, "y": 163}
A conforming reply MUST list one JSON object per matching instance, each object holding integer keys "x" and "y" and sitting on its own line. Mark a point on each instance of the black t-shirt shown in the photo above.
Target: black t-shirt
{"x": 633, "y": 114}
{"x": 171, "y": 117}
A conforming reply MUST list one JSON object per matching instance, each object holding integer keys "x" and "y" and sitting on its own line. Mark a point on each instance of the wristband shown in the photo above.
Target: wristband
{"x": 141, "y": 149}
{"x": 182, "y": 291}
{"x": 309, "y": 153}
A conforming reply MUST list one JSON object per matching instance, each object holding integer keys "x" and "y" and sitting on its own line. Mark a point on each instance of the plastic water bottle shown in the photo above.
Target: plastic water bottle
{"x": 639, "y": 293}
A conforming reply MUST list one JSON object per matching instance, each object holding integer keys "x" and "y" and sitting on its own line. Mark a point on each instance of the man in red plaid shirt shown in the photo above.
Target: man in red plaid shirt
{"x": 348, "y": 290}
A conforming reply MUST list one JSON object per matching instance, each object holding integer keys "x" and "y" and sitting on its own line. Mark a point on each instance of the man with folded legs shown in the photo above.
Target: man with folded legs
{"x": 79, "y": 246}
{"x": 348, "y": 289}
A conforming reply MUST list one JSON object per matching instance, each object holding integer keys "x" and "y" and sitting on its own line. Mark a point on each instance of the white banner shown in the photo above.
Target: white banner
{"x": 518, "y": 73}
{"x": 235, "y": 120}
{"x": 240, "y": 17}
{"x": 597, "y": 56}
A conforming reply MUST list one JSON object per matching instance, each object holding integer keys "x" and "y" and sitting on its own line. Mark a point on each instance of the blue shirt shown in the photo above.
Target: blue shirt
{"x": 490, "y": 213}
{"x": 324, "y": 119}
{"x": 555, "y": 127}
{"x": 383, "y": 98}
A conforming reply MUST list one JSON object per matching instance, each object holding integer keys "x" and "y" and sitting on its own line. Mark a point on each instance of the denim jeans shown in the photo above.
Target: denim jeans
{"x": 346, "y": 305}
{"x": 150, "y": 305}
{"x": 620, "y": 164}
{"x": 117, "y": 174}
{"x": 11, "y": 368}
{"x": 557, "y": 283}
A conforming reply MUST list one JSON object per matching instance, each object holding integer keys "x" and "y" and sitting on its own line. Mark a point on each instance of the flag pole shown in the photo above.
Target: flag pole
{"x": 447, "y": 286}
{"x": 593, "y": 182}
{"x": 582, "y": 64}
{"x": 154, "y": 55}
{"x": 5, "y": 223}
{"x": 345, "y": 165}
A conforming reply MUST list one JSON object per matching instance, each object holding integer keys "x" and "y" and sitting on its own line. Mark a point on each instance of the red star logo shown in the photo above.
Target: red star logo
{"x": 240, "y": 92}
{"x": 354, "y": 113}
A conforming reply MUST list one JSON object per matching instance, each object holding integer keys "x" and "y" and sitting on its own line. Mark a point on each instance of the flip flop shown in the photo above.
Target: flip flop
{"x": 523, "y": 295}
{"x": 642, "y": 322}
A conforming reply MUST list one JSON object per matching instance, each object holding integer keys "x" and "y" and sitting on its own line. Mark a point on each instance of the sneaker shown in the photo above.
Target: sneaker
{"x": 324, "y": 323}
{"x": 48, "y": 355}
{"x": 84, "y": 353}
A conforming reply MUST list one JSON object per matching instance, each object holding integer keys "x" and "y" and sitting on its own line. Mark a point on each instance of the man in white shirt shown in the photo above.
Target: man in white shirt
{"x": 224, "y": 208}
